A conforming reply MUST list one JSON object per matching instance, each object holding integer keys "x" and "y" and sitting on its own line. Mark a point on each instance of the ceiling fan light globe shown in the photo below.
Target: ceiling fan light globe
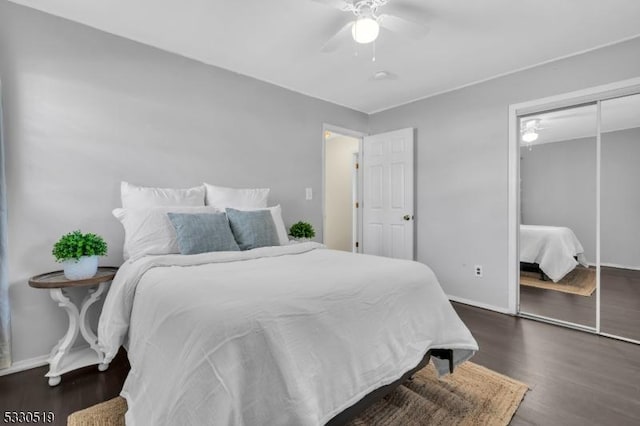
{"x": 365, "y": 30}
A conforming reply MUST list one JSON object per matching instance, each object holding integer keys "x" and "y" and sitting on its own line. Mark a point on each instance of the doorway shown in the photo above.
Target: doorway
{"x": 368, "y": 192}
{"x": 341, "y": 188}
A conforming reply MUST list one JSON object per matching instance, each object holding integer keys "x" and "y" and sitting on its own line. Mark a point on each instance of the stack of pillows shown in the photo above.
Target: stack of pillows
{"x": 196, "y": 220}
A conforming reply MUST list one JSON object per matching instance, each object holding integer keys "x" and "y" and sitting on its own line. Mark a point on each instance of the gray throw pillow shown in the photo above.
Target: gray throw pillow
{"x": 253, "y": 228}
{"x": 203, "y": 232}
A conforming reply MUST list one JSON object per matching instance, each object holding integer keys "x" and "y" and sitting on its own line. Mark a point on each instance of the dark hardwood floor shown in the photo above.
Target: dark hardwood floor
{"x": 576, "y": 378}
{"x": 620, "y": 303}
{"x": 29, "y": 391}
{"x": 555, "y": 304}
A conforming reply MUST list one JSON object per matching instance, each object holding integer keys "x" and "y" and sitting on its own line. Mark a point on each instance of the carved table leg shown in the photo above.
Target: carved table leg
{"x": 85, "y": 328}
{"x": 78, "y": 323}
{"x": 63, "y": 346}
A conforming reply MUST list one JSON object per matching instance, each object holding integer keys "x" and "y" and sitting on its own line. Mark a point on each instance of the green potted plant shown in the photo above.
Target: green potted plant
{"x": 79, "y": 253}
{"x": 302, "y": 231}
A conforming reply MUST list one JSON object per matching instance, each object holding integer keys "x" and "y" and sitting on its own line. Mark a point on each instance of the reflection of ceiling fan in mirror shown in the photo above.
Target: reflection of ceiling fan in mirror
{"x": 368, "y": 21}
{"x": 530, "y": 131}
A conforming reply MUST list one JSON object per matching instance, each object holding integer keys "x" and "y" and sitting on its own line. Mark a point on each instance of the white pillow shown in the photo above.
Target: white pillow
{"x": 136, "y": 197}
{"x": 283, "y": 235}
{"x": 249, "y": 198}
{"x": 276, "y": 215}
{"x": 149, "y": 230}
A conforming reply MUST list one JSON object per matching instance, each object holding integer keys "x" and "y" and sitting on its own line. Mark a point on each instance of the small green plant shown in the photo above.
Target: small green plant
{"x": 302, "y": 230}
{"x": 75, "y": 244}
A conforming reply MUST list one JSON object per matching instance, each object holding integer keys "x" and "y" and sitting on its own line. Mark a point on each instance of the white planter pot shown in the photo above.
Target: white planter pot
{"x": 85, "y": 267}
{"x": 294, "y": 240}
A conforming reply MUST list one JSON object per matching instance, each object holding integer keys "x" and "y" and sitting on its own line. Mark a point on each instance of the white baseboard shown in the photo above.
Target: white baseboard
{"x": 480, "y": 305}
{"x": 25, "y": 364}
{"x": 615, "y": 265}
{"x": 28, "y": 364}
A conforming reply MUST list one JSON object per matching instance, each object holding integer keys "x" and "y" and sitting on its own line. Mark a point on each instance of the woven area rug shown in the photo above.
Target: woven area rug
{"x": 473, "y": 395}
{"x": 581, "y": 281}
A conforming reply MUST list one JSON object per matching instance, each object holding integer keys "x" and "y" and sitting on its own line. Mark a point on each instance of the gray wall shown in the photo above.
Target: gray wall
{"x": 620, "y": 198}
{"x": 461, "y": 165}
{"x": 559, "y": 189}
{"x": 84, "y": 110}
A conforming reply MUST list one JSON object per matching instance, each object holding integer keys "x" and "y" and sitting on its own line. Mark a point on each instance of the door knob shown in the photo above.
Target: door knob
{"x": 406, "y": 217}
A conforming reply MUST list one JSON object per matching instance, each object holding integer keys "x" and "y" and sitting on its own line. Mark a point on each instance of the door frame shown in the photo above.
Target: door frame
{"x": 356, "y": 193}
{"x": 589, "y": 95}
{"x": 326, "y": 127}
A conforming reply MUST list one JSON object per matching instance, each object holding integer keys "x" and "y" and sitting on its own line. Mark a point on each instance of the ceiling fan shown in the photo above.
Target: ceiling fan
{"x": 366, "y": 26}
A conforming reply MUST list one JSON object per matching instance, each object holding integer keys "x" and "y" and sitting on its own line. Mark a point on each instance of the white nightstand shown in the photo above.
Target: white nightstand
{"x": 60, "y": 360}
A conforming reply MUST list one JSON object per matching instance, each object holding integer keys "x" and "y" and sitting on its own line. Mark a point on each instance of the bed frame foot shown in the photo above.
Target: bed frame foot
{"x": 444, "y": 354}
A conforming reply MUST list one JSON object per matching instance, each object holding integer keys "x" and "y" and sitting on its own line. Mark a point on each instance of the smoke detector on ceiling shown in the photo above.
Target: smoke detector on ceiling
{"x": 384, "y": 75}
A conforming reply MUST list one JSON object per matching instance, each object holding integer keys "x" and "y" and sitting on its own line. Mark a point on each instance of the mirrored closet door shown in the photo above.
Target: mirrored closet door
{"x": 620, "y": 217}
{"x": 576, "y": 210}
{"x": 558, "y": 223}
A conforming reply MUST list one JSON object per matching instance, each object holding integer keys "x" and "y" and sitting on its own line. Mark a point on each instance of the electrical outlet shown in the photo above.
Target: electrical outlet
{"x": 309, "y": 194}
{"x": 478, "y": 271}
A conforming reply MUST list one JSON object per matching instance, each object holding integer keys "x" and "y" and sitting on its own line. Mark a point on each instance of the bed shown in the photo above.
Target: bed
{"x": 555, "y": 250}
{"x": 288, "y": 335}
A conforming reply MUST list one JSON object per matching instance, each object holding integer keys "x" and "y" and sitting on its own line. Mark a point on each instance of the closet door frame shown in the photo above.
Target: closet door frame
{"x": 567, "y": 100}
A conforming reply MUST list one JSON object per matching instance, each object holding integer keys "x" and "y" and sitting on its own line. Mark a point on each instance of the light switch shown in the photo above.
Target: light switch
{"x": 309, "y": 194}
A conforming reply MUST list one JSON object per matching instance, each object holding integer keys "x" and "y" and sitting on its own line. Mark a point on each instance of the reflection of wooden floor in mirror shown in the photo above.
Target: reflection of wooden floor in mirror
{"x": 620, "y": 303}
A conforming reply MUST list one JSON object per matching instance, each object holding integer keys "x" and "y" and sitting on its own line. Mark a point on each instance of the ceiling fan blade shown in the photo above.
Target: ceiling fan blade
{"x": 409, "y": 10}
{"x": 403, "y": 26}
{"x": 334, "y": 42}
{"x": 337, "y": 4}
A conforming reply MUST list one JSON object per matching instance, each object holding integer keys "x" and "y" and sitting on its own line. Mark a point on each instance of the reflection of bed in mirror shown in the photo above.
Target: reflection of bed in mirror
{"x": 555, "y": 250}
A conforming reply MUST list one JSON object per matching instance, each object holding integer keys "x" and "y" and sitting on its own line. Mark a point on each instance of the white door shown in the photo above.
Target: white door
{"x": 387, "y": 205}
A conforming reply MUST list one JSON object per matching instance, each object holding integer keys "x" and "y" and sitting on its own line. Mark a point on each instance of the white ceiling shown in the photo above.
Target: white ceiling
{"x": 279, "y": 41}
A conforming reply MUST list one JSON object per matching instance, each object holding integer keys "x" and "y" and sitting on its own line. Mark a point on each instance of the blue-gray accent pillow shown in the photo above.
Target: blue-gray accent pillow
{"x": 203, "y": 232}
{"x": 253, "y": 228}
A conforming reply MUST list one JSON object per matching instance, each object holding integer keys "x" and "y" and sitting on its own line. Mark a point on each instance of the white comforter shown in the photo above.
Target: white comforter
{"x": 286, "y": 335}
{"x": 552, "y": 247}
